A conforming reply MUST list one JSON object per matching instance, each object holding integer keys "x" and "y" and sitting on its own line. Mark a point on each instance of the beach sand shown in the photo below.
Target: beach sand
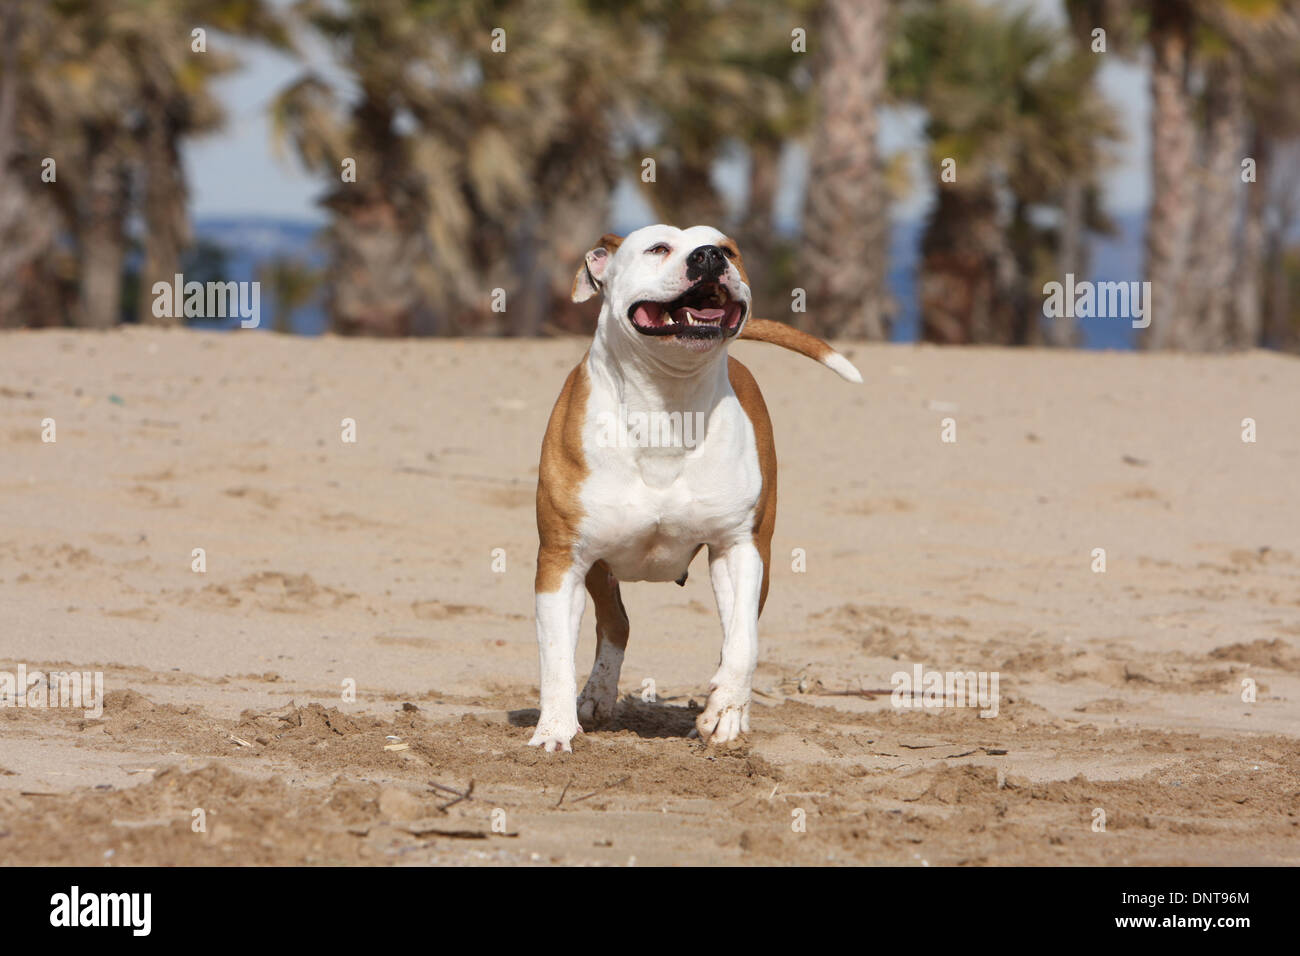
{"x": 380, "y": 562}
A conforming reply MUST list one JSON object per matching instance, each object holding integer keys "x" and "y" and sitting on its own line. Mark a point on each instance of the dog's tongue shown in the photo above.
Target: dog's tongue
{"x": 708, "y": 315}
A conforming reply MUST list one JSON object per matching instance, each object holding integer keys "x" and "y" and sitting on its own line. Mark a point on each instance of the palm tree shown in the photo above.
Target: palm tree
{"x": 1005, "y": 102}
{"x": 80, "y": 103}
{"x": 108, "y": 90}
{"x": 722, "y": 82}
{"x": 376, "y": 239}
{"x": 1213, "y": 253}
{"x": 1234, "y": 41}
{"x": 467, "y": 160}
{"x": 26, "y": 227}
{"x": 1278, "y": 259}
{"x": 582, "y": 74}
{"x": 712, "y": 83}
{"x": 846, "y": 219}
{"x": 1197, "y": 142}
{"x": 175, "y": 102}
{"x": 1173, "y": 156}
{"x": 1269, "y": 44}
{"x": 498, "y": 167}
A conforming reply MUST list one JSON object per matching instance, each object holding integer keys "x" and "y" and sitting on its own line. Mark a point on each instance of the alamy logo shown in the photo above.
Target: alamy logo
{"x": 649, "y": 429}
{"x": 1098, "y": 300}
{"x": 213, "y": 300}
{"x": 103, "y": 909}
{"x": 927, "y": 689}
{"x": 82, "y": 690}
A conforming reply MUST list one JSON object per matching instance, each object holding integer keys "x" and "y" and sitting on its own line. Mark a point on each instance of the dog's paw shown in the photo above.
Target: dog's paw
{"x": 596, "y": 706}
{"x": 556, "y": 736}
{"x": 725, "y": 716}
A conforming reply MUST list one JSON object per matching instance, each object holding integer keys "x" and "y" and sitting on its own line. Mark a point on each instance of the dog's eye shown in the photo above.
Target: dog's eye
{"x": 729, "y": 252}
{"x": 658, "y": 249}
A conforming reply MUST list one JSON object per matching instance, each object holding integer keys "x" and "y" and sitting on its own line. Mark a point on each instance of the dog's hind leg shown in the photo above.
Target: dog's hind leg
{"x": 598, "y": 699}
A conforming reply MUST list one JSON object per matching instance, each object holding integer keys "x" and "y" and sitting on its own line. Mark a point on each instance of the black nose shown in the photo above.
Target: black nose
{"x": 706, "y": 262}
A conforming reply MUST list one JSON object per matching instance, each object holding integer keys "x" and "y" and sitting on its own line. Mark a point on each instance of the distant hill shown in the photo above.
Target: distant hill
{"x": 249, "y": 242}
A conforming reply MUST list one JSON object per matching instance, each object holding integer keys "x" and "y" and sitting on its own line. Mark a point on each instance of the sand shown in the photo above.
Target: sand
{"x": 377, "y": 562}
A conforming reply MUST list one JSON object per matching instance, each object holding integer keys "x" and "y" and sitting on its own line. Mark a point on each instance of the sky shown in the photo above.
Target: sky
{"x": 238, "y": 173}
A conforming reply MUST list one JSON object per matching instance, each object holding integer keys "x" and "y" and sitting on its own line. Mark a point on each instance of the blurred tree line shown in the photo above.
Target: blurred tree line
{"x": 478, "y": 168}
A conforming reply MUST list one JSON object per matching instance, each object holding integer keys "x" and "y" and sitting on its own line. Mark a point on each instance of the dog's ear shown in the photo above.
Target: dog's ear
{"x": 588, "y": 281}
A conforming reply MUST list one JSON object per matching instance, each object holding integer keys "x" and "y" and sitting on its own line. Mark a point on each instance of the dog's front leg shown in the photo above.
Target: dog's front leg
{"x": 559, "y": 621}
{"x": 737, "y": 576}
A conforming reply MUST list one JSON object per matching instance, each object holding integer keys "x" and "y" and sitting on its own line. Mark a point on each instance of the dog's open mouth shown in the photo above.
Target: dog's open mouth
{"x": 706, "y": 311}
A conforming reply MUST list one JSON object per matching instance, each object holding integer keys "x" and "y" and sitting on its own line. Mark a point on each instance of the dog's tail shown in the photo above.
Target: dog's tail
{"x": 788, "y": 337}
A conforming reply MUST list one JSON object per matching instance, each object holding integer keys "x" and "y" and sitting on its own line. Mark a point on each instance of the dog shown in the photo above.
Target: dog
{"x": 610, "y": 509}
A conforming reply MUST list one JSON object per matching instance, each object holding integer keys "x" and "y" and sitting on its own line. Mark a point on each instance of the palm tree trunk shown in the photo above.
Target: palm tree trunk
{"x": 166, "y": 224}
{"x": 376, "y": 243}
{"x": 967, "y": 271}
{"x": 26, "y": 229}
{"x": 1072, "y": 258}
{"x": 845, "y": 220}
{"x": 1214, "y": 244}
{"x": 573, "y": 188}
{"x": 531, "y": 297}
{"x": 102, "y": 237}
{"x": 756, "y": 233}
{"x": 1173, "y": 137}
{"x": 373, "y": 288}
{"x": 11, "y": 191}
{"x": 1248, "y": 281}
{"x": 1278, "y": 333}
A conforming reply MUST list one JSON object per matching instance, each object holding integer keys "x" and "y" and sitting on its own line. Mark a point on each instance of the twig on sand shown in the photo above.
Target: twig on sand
{"x": 427, "y": 831}
{"x": 608, "y": 786}
{"x": 460, "y": 797}
{"x": 991, "y": 751}
{"x": 860, "y": 692}
{"x": 562, "y": 793}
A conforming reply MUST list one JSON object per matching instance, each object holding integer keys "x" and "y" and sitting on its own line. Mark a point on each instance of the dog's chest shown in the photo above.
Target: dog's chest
{"x": 657, "y": 490}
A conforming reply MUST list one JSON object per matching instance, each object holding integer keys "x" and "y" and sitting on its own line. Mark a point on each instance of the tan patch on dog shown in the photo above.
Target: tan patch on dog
{"x": 786, "y": 336}
{"x": 751, "y": 400}
{"x": 728, "y": 245}
{"x": 611, "y": 617}
{"x": 560, "y": 474}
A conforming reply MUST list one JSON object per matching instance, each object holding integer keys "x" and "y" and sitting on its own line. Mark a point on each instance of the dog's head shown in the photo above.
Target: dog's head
{"x": 668, "y": 288}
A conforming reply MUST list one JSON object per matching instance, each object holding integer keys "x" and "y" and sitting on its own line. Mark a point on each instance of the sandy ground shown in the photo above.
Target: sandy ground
{"x": 373, "y": 562}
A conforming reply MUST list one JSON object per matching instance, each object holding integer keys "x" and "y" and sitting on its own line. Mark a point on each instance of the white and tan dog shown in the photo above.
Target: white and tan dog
{"x": 611, "y": 509}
